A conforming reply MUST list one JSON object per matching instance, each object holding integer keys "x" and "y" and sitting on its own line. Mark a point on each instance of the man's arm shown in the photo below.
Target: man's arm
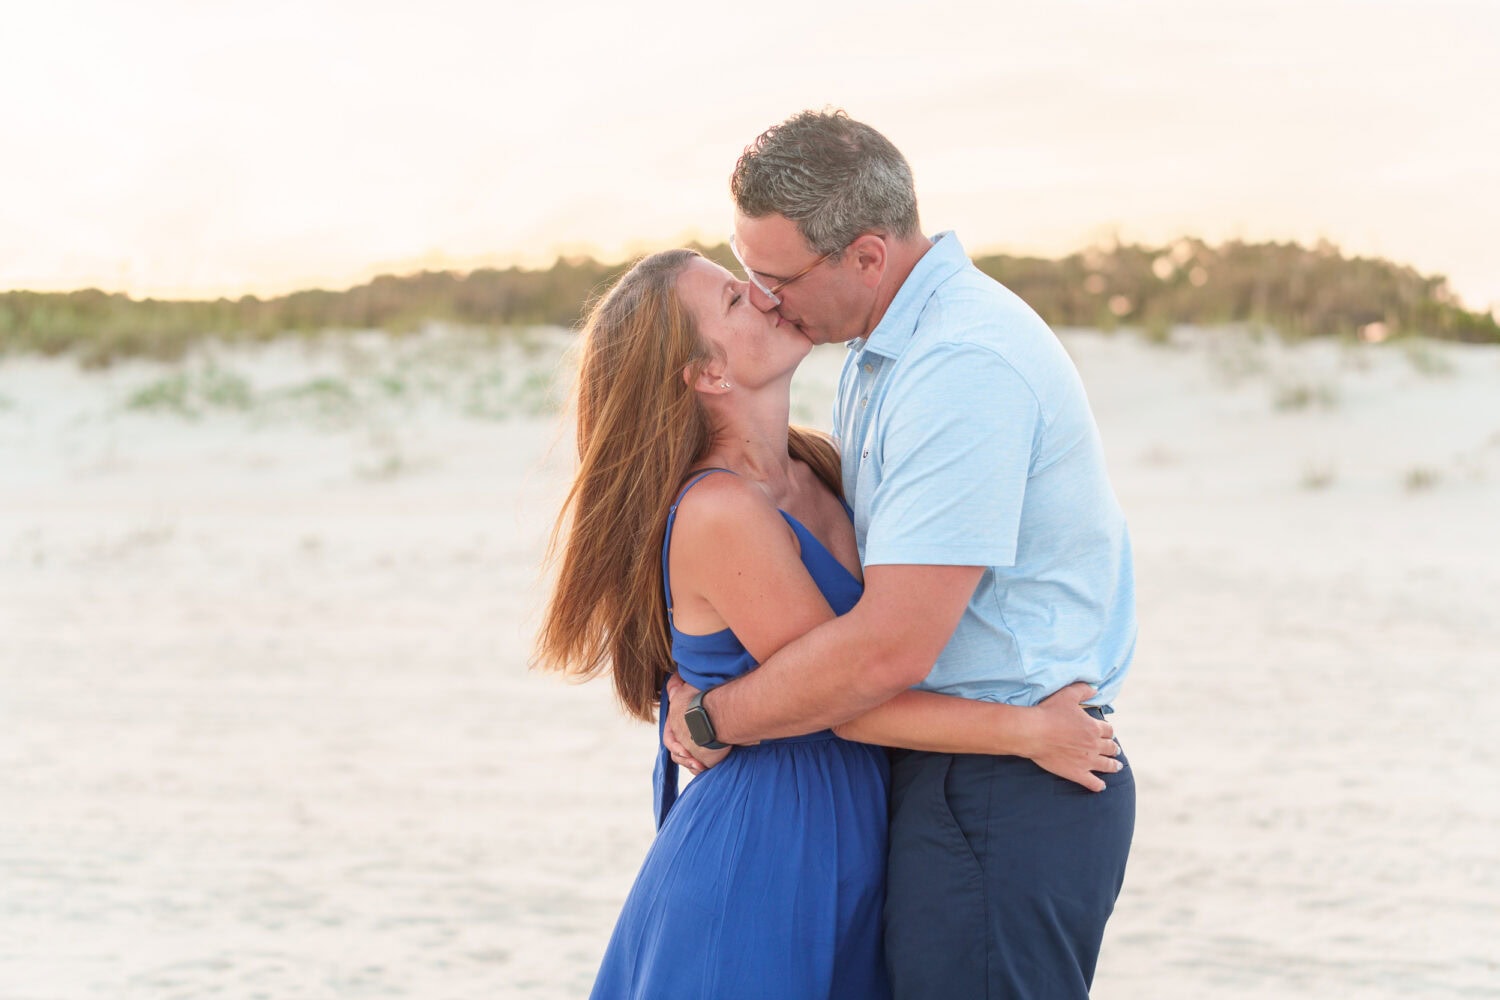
{"x": 1056, "y": 734}
{"x": 953, "y": 489}
{"x": 847, "y": 666}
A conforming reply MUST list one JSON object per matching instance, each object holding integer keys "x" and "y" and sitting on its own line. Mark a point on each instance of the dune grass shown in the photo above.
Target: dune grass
{"x": 1298, "y": 291}
{"x": 476, "y": 373}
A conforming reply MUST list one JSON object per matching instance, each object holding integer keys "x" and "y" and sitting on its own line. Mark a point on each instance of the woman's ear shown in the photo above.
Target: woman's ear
{"x": 707, "y": 377}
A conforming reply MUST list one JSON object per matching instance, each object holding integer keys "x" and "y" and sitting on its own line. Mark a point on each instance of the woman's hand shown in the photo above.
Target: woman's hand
{"x": 679, "y": 744}
{"x": 1071, "y": 743}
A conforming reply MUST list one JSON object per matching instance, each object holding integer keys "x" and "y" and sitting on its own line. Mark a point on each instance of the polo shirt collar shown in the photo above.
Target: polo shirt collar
{"x": 895, "y": 329}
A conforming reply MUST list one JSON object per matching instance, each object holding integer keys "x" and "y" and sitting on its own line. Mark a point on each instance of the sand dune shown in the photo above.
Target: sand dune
{"x": 266, "y": 728}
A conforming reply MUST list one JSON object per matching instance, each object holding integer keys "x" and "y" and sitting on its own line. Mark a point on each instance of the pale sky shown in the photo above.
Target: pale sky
{"x": 190, "y": 149}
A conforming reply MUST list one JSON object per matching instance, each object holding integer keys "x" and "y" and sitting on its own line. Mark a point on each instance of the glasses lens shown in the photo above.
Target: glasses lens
{"x": 750, "y": 275}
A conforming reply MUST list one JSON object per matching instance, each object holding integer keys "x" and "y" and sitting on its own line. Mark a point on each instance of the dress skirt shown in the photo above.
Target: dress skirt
{"x": 766, "y": 879}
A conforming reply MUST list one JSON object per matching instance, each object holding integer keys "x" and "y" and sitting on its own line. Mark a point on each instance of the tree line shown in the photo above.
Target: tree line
{"x": 1296, "y": 290}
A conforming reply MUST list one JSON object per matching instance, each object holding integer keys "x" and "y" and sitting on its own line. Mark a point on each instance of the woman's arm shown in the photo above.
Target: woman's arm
{"x": 1057, "y": 734}
{"x": 736, "y": 564}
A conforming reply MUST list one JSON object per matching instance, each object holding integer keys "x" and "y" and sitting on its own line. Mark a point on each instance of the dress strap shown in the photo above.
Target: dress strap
{"x": 698, "y": 475}
{"x": 664, "y": 776}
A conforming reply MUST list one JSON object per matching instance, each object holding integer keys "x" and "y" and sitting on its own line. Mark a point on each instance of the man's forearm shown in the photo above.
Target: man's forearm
{"x": 843, "y": 668}
{"x": 837, "y": 671}
{"x": 939, "y": 723}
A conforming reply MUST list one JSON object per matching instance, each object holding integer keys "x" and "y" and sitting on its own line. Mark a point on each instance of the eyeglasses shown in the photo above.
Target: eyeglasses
{"x": 772, "y": 291}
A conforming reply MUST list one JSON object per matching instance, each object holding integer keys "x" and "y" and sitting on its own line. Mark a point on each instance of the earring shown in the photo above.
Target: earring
{"x": 724, "y": 385}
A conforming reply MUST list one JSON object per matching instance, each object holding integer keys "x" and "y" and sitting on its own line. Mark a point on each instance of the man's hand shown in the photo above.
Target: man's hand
{"x": 675, "y": 735}
{"x": 1073, "y": 744}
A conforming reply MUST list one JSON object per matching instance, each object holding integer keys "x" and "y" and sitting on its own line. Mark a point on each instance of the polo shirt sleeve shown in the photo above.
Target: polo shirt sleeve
{"x": 958, "y": 434}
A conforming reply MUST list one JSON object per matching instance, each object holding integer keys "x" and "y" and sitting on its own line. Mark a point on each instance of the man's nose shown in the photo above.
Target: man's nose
{"x": 760, "y": 299}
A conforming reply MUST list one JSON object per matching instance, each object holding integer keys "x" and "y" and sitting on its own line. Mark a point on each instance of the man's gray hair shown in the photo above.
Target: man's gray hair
{"x": 833, "y": 176}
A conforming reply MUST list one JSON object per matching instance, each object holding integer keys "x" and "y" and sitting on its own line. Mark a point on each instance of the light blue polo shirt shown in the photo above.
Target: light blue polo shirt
{"x": 967, "y": 440}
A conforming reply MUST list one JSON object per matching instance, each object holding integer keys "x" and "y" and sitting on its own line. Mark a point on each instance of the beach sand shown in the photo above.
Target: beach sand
{"x": 267, "y": 728}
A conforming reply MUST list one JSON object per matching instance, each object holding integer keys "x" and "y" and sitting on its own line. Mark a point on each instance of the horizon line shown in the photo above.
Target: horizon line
{"x": 438, "y": 262}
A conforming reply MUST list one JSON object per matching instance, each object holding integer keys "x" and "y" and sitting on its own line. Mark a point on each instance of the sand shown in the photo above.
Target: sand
{"x": 267, "y": 730}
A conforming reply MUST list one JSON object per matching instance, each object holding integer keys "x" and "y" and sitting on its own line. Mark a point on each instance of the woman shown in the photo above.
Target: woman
{"x": 703, "y": 534}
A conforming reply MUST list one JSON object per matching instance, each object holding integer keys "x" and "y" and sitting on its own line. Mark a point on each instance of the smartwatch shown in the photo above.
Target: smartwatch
{"x": 700, "y": 726}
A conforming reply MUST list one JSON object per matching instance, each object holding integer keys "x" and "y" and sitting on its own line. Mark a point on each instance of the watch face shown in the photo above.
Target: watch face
{"x": 698, "y": 725}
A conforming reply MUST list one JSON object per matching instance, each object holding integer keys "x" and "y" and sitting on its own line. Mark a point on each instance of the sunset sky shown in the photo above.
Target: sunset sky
{"x": 191, "y": 150}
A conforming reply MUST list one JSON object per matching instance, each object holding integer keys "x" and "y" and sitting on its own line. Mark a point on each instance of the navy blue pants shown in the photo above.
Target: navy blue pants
{"x": 1001, "y": 876}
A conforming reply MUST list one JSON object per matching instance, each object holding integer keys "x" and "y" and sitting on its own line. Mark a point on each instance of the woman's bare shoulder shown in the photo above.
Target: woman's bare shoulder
{"x": 723, "y": 502}
{"x": 728, "y": 536}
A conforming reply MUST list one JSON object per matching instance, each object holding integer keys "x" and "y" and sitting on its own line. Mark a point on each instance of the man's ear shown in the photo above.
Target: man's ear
{"x": 870, "y": 258}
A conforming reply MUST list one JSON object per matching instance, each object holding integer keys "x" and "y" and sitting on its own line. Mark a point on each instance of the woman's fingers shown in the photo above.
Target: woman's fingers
{"x": 674, "y": 746}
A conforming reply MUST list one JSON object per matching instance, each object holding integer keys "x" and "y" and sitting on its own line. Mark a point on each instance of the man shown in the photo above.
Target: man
{"x": 993, "y": 547}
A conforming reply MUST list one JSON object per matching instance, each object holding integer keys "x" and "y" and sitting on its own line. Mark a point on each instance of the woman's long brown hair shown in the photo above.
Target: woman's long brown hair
{"x": 641, "y": 429}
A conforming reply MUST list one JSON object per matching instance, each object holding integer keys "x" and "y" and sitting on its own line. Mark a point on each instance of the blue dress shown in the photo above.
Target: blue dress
{"x": 767, "y": 875}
